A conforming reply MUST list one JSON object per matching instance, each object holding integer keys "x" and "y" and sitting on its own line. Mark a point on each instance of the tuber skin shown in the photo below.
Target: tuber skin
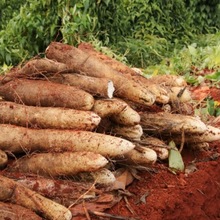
{"x": 165, "y": 122}
{"x": 3, "y": 159}
{"x": 99, "y": 87}
{"x": 141, "y": 156}
{"x": 47, "y": 117}
{"x": 47, "y": 94}
{"x": 20, "y": 195}
{"x": 60, "y": 164}
{"x": 19, "y": 139}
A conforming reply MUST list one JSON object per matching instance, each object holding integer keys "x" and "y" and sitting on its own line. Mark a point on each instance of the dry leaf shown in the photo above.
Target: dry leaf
{"x": 123, "y": 179}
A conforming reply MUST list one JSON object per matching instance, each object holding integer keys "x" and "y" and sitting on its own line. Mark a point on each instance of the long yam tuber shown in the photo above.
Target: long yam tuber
{"x": 160, "y": 93}
{"x": 108, "y": 107}
{"x": 171, "y": 123}
{"x": 157, "y": 145}
{"x": 20, "y": 195}
{"x": 103, "y": 177}
{"x": 60, "y": 164}
{"x": 127, "y": 116}
{"x": 100, "y": 87}
{"x": 88, "y": 65}
{"x": 19, "y": 139}
{"x": 42, "y": 66}
{"x": 44, "y": 93}
{"x": 129, "y": 132}
{"x": 210, "y": 135}
{"x": 47, "y": 117}
{"x": 63, "y": 191}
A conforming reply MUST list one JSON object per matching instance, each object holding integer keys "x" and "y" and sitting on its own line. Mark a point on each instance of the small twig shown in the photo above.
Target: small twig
{"x": 86, "y": 211}
{"x": 129, "y": 206}
{"x": 182, "y": 141}
{"x": 82, "y": 196}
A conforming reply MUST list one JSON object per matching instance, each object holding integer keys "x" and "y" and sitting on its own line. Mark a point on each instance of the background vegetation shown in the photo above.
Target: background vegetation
{"x": 142, "y": 32}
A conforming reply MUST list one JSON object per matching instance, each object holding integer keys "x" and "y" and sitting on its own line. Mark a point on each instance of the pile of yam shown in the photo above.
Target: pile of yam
{"x": 74, "y": 117}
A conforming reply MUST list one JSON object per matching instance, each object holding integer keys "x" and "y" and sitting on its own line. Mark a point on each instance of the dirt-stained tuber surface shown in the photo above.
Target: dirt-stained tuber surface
{"x": 163, "y": 195}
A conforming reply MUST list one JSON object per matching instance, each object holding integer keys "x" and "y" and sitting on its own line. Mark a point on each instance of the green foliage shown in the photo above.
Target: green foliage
{"x": 146, "y": 31}
{"x": 8, "y": 9}
{"x": 203, "y": 53}
{"x": 29, "y": 32}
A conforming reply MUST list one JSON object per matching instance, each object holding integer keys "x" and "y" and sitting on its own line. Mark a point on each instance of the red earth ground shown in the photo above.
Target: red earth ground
{"x": 182, "y": 196}
{"x": 164, "y": 195}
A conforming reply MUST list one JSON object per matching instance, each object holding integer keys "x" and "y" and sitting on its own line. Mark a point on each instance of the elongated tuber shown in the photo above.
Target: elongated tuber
{"x": 20, "y": 195}
{"x": 117, "y": 110}
{"x": 60, "y": 164}
{"x": 100, "y": 87}
{"x": 44, "y": 93}
{"x": 19, "y": 139}
{"x": 47, "y": 117}
{"x": 164, "y": 122}
{"x": 89, "y": 65}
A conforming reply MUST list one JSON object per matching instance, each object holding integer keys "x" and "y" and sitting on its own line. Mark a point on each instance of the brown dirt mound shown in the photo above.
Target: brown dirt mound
{"x": 163, "y": 195}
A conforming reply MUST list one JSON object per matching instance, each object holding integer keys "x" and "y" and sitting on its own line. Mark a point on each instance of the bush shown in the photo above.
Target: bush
{"x": 145, "y": 31}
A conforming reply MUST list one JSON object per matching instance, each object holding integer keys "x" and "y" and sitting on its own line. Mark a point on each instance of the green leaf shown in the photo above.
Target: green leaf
{"x": 211, "y": 106}
{"x": 175, "y": 159}
{"x": 192, "y": 50}
{"x": 217, "y": 112}
{"x": 213, "y": 77}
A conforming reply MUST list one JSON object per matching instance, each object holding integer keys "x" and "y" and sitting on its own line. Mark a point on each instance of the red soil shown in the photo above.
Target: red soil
{"x": 182, "y": 196}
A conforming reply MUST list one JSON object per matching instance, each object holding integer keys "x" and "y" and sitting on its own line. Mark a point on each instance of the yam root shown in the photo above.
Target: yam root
{"x": 157, "y": 145}
{"x": 47, "y": 94}
{"x": 60, "y": 164}
{"x": 168, "y": 80}
{"x": 210, "y": 135}
{"x": 20, "y": 195}
{"x": 129, "y": 132}
{"x": 42, "y": 66}
{"x": 64, "y": 192}
{"x": 116, "y": 65}
{"x": 47, "y": 117}
{"x": 180, "y": 94}
{"x": 3, "y": 159}
{"x": 141, "y": 155}
{"x": 160, "y": 93}
{"x": 171, "y": 123}
{"x": 100, "y": 87}
{"x": 118, "y": 110}
{"x": 89, "y": 65}
{"x": 103, "y": 177}
{"x": 19, "y": 139}
{"x": 108, "y": 107}
{"x": 14, "y": 212}
{"x": 127, "y": 116}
